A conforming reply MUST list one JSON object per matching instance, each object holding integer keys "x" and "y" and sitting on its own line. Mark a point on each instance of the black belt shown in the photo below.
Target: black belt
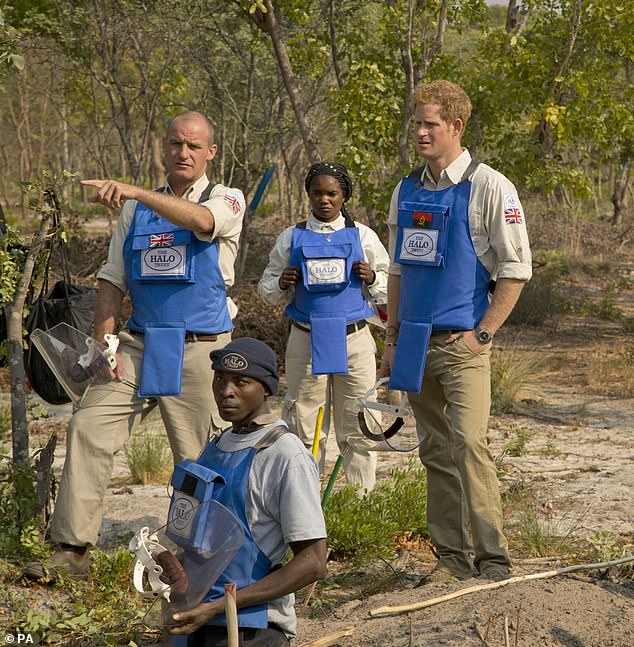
{"x": 350, "y": 328}
{"x": 189, "y": 336}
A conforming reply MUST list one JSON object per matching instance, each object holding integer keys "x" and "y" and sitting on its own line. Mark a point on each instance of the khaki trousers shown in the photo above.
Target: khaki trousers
{"x": 452, "y": 411}
{"x": 307, "y": 392}
{"x": 108, "y": 416}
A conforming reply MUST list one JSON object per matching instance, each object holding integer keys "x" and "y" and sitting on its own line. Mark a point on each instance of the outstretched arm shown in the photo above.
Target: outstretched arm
{"x": 183, "y": 213}
{"x": 307, "y": 566}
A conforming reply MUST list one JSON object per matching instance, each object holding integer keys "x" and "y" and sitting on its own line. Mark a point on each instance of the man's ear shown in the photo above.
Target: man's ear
{"x": 458, "y": 126}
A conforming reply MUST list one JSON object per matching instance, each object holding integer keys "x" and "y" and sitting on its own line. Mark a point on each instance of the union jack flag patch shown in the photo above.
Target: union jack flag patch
{"x": 162, "y": 240}
{"x": 235, "y": 201}
{"x": 513, "y": 216}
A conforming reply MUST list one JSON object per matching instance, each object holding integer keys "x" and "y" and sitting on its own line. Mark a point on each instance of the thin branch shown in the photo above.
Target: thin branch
{"x": 385, "y": 611}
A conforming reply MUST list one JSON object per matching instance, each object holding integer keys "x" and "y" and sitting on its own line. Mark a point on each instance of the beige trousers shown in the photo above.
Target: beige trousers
{"x": 452, "y": 412}
{"x": 108, "y": 416}
{"x": 308, "y": 392}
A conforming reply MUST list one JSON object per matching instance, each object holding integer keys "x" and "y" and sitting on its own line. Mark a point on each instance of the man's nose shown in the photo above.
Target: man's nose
{"x": 227, "y": 390}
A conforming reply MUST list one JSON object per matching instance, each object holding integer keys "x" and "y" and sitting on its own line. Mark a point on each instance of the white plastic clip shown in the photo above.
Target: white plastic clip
{"x": 145, "y": 546}
{"x": 110, "y": 352}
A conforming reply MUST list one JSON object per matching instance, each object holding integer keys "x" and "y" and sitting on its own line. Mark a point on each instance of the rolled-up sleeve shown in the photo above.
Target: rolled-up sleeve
{"x": 378, "y": 260}
{"x": 228, "y": 207}
{"x": 113, "y": 270}
{"x": 503, "y": 245}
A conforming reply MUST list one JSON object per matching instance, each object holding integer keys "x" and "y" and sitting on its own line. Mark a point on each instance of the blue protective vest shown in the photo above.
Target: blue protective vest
{"x": 330, "y": 295}
{"x": 444, "y": 285}
{"x": 250, "y": 564}
{"x": 176, "y": 287}
{"x": 172, "y": 275}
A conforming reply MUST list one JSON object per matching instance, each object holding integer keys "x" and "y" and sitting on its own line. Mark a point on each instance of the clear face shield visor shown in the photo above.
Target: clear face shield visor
{"x": 386, "y": 418}
{"x": 178, "y": 575}
{"x": 76, "y": 359}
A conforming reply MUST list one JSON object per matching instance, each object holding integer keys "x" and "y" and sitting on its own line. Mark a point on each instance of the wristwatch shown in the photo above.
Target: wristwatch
{"x": 483, "y": 336}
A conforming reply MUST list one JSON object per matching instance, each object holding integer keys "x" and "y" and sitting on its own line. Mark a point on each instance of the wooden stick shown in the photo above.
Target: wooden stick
{"x": 231, "y": 613}
{"x": 507, "y": 640}
{"x": 330, "y": 639}
{"x": 517, "y": 626}
{"x": 320, "y": 420}
{"x": 386, "y": 611}
{"x": 309, "y": 594}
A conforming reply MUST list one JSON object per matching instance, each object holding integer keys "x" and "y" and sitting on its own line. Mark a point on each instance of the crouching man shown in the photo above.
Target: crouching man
{"x": 272, "y": 486}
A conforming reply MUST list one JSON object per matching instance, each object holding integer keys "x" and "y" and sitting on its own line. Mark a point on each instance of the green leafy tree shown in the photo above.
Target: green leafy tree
{"x": 9, "y": 38}
{"x": 552, "y": 103}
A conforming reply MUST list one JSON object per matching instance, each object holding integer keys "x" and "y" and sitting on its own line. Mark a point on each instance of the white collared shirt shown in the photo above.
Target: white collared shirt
{"x": 373, "y": 251}
{"x": 500, "y": 240}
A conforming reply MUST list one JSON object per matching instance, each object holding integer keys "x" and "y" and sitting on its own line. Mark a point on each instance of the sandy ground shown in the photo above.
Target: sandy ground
{"x": 578, "y": 469}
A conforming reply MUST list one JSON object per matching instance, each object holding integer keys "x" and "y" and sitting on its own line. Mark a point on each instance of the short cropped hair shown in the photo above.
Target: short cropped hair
{"x": 192, "y": 114}
{"x": 452, "y": 99}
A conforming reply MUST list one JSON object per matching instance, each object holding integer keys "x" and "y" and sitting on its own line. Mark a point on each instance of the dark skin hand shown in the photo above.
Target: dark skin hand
{"x": 308, "y": 565}
{"x": 363, "y": 270}
{"x": 292, "y": 275}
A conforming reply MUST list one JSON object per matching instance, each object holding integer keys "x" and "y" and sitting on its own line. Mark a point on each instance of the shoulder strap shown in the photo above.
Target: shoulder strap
{"x": 473, "y": 165}
{"x": 271, "y": 437}
{"x": 417, "y": 173}
{"x": 301, "y": 225}
{"x": 204, "y": 196}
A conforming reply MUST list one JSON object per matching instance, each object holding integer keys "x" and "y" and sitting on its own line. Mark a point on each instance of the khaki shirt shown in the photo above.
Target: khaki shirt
{"x": 227, "y": 206}
{"x": 500, "y": 242}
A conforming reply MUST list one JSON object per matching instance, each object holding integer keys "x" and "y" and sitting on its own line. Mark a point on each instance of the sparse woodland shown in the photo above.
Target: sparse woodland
{"x": 87, "y": 89}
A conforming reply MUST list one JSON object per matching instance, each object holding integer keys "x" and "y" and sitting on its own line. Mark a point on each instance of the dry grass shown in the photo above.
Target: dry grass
{"x": 149, "y": 458}
{"x": 611, "y": 373}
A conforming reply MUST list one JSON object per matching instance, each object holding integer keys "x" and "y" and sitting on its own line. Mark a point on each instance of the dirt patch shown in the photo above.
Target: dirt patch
{"x": 575, "y": 467}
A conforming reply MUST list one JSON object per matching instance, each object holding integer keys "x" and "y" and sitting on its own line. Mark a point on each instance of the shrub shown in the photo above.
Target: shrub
{"x": 5, "y": 422}
{"x": 20, "y": 537}
{"x": 542, "y": 536}
{"x": 149, "y": 458}
{"x": 362, "y": 529}
{"x": 509, "y": 372}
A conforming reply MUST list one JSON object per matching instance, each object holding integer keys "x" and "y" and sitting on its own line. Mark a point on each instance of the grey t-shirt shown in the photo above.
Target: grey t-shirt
{"x": 283, "y": 502}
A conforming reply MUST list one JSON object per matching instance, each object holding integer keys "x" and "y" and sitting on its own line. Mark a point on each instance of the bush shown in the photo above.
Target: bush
{"x": 149, "y": 458}
{"x": 539, "y": 302}
{"x": 20, "y": 537}
{"x": 363, "y": 529}
{"x": 509, "y": 372}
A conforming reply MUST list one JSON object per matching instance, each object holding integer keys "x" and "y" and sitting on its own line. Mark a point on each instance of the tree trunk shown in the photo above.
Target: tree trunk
{"x": 413, "y": 76}
{"x": 19, "y": 435}
{"x": 620, "y": 191}
{"x": 267, "y": 22}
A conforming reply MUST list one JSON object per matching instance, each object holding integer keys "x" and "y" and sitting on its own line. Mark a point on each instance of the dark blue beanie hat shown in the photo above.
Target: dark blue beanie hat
{"x": 250, "y": 357}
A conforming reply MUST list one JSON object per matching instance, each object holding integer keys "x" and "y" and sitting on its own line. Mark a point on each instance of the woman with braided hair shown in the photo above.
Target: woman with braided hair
{"x": 326, "y": 270}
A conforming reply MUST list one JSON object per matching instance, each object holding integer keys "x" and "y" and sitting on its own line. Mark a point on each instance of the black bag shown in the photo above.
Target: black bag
{"x": 65, "y": 303}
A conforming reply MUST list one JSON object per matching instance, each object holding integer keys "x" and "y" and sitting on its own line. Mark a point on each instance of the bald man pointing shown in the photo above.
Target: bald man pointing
{"x": 173, "y": 251}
